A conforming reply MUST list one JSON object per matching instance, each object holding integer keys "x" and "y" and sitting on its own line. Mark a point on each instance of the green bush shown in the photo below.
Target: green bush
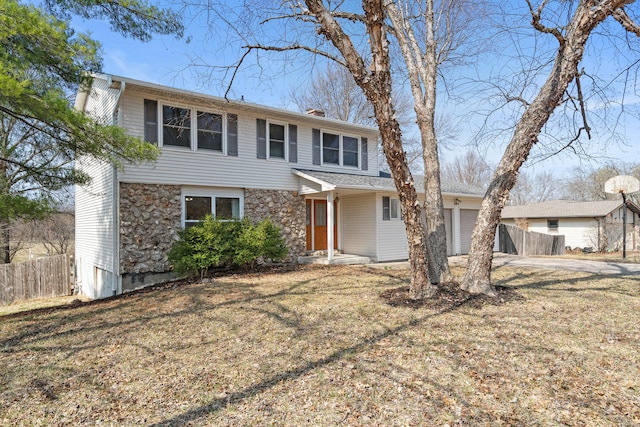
{"x": 216, "y": 243}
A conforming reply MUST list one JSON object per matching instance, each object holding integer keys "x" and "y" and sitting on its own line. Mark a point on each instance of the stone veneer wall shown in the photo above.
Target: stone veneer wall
{"x": 149, "y": 225}
{"x": 286, "y": 209}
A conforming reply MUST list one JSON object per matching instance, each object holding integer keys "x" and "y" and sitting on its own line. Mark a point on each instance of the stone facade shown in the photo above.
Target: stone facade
{"x": 149, "y": 225}
{"x": 286, "y": 209}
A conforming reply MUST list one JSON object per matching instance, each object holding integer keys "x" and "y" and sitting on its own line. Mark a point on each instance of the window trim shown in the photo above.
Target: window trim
{"x": 212, "y": 193}
{"x": 341, "y": 151}
{"x": 285, "y": 142}
{"x": 390, "y": 211}
{"x": 222, "y": 131}
{"x": 193, "y": 110}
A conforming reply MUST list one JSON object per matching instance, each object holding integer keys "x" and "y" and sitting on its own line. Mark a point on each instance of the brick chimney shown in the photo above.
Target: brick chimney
{"x": 314, "y": 112}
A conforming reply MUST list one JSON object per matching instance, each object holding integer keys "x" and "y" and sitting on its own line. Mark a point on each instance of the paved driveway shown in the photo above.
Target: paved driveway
{"x": 552, "y": 263}
{"x": 549, "y": 263}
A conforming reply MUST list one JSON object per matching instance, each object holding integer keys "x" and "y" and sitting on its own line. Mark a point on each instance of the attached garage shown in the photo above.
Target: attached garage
{"x": 468, "y": 219}
{"x": 447, "y": 227}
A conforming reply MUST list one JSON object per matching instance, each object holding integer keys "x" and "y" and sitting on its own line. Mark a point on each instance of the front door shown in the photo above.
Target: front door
{"x": 317, "y": 225}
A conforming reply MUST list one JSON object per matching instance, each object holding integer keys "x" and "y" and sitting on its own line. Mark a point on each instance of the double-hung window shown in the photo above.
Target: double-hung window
{"x": 331, "y": 148}
{"x": 210, "y": 130}
{"x": 277, "y": 140}
{"x": 342, "y": 150}
{"x": 390, "y": 208}
{"x": 180, "y": 126}
{"x": 176, "y": 126}
{"x": 221, "y": 205}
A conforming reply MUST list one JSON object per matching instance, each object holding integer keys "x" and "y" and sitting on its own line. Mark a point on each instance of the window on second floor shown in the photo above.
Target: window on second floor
{"x": 333, "y": 148}
{"x": 179, "y": 126}
{"x": 176, "y": 126}
{"x": 277, "y": 141}
{"x": 210, "y": 136}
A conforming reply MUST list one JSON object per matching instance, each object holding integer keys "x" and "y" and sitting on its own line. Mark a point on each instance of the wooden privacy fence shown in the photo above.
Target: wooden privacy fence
{"x": 38, "y": 278}
{"x": 516, "y": 241}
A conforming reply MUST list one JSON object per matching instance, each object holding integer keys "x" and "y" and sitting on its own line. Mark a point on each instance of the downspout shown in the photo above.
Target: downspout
{"x": 117, "y": 279}
{"x": 330, "y": 227}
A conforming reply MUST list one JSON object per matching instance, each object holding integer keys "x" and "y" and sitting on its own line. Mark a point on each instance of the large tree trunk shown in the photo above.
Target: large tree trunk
{"x": 434, "y": 206}
{"x": 588, "y": 15}
{"x": 422, "y": 71}
{"x": 375, "y": 81}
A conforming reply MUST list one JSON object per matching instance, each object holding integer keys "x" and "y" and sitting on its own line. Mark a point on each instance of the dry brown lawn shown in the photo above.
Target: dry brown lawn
{"x": 318, "y": 346}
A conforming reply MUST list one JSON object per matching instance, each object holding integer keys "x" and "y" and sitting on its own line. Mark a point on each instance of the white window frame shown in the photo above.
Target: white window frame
{"x": 341, "y": 149}
{"x": 285, "y": 143}
{"x": 213, "y": 193}
{"x": 194, "y": 127}
{"x": 394, "y": 209}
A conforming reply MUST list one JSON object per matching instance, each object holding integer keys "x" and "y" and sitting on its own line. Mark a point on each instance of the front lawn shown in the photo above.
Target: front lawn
{"x": 318, "y": 346}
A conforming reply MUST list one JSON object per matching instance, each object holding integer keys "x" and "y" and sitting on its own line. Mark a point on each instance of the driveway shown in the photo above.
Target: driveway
{"x": 553, "y": 263}
{"x": 548, "y": 263}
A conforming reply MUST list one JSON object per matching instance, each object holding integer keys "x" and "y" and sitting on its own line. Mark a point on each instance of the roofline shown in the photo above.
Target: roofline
{"x": 630, "y": 205}
{"x": 241, "y": 104}
{"x": 331, "y": 186}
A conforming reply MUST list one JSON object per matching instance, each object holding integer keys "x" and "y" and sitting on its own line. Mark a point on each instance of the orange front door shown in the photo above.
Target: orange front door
{"x": 317, "y": 225}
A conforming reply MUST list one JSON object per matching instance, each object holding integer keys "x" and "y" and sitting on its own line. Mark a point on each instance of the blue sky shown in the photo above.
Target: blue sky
{"x": 170, "y": 61}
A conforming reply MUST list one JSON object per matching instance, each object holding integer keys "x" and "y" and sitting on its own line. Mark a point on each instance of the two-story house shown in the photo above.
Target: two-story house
{"x": 317, "y": 178}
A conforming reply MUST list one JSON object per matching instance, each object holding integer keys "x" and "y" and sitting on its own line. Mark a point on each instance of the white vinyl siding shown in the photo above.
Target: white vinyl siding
{"x": 96, "y": 215}
{"x": 358, "y": 224}
{"x": 392, "y": 236}
{"x": 207, "y": 167}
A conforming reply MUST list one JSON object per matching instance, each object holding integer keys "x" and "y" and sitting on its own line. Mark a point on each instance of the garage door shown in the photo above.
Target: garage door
{"x": 447, "y": 227}
{"x": 467, "y": 222}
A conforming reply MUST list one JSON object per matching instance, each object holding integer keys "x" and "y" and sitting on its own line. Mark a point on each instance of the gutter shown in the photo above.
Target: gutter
{"x": 116, "y": 286}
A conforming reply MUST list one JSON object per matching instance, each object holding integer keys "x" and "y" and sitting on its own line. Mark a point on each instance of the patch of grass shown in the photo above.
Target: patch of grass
{"x": 633, "y": 257}
{"x": 320, "y": 346}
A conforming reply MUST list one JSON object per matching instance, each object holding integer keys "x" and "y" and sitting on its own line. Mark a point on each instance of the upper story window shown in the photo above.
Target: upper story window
{"x": 176, "y": 126}
{"x": 340, "y": 150}
{"x": 180, "y": 126}
{"x": 210, "y": 136}
{"x": 332, "y": 148}
{"x": 277, "y": 141}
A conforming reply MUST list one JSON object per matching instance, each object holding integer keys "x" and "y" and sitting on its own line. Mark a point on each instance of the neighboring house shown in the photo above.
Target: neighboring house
{"x": 596, "y": 225}
{"x": 317, "y": 178}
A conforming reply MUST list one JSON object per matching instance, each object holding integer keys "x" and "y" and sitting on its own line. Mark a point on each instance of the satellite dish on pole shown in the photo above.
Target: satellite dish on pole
{"x": 622, "y": 184}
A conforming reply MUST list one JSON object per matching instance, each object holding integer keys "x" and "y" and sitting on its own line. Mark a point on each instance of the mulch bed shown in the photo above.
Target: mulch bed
{"x": 448, "y": 296}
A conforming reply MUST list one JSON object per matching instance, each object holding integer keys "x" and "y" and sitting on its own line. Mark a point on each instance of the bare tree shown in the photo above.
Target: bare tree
{"x": 470, "y": 169}
{"x": 57, "y": 232}
{"x": 427, "y": 36}
{"x": 534, "y": 188}
{"x": 335, "y": 92}
{"x": 583, "y": 17}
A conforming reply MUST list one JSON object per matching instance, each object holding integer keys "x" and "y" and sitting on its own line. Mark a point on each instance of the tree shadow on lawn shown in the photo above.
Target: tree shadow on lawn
{"x": 536, "y": 279}
{"x": 221, "y": 403}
